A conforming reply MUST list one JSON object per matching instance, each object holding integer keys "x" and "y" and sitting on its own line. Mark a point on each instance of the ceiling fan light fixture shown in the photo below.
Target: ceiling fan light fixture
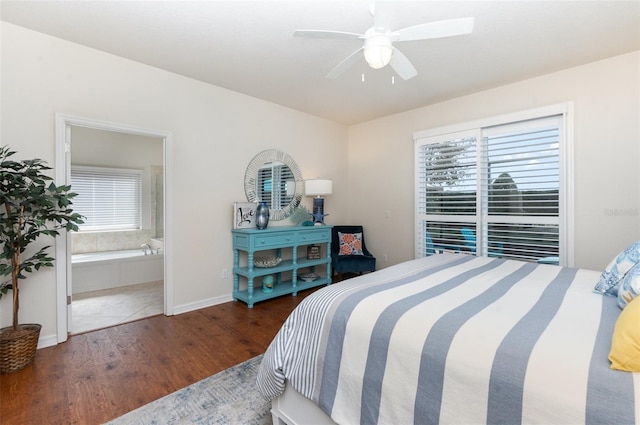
{"x": 378, "y": 43}
{"x": 377, "y": 51}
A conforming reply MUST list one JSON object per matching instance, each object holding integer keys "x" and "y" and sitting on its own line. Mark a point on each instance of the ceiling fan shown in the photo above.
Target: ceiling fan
{"x": 378, "y": 47}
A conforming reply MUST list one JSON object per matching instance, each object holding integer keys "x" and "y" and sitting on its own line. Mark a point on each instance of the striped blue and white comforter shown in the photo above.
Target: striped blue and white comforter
{"x": 456, "y": 339}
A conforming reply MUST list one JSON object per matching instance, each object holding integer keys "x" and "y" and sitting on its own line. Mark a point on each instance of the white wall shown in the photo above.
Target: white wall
{"x": 216, "y": 133}
{"x": 606, "y": 96}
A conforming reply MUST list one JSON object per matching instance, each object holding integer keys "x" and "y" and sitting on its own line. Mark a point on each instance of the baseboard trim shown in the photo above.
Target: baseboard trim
{"x": 185, "y": 308}
{"x": 47, "y": 341}
{"x": 51, "y": 340}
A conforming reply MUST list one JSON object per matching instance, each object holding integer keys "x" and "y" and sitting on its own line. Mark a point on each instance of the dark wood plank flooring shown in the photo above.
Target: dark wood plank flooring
{"x": 100, "y": 375}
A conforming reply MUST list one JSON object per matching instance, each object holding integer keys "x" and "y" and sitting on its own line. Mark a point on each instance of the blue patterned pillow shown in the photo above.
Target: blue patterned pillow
{"x": 629, "y": 287}
{"x": 615, "y": 271}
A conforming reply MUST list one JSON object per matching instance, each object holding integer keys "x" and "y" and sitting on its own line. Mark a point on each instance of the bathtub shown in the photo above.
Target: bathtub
{"x": 110, "y": 269}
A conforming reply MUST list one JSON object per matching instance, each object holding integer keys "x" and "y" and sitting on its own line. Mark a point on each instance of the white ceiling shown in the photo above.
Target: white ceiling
{"x": 248, "y": 47}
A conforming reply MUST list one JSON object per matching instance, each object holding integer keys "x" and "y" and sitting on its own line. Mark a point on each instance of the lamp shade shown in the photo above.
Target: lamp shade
{"x": 377, "y": 51}
{"x": 318, "y": 187}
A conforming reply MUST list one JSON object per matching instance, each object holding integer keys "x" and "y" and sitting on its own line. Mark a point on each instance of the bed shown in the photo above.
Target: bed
{"x": 451, "y": 339}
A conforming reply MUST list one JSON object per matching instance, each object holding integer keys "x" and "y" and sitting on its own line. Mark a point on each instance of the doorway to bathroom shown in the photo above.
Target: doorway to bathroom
{"x": 116, "y": 257}
{"x": 116, "y": 269}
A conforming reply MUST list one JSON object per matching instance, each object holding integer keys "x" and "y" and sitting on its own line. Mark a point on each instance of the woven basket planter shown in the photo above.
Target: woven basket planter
{"x": 18, "y": 347}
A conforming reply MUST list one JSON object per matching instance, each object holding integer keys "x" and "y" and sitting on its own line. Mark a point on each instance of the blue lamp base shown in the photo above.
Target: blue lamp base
{"x": 318, "y": 210}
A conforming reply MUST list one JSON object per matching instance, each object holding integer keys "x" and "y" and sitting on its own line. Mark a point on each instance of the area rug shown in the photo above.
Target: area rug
{"x": 228, "y": 397}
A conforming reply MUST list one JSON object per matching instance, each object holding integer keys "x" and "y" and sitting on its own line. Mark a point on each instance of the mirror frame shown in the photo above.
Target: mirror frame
{"x": 251, "y": 181}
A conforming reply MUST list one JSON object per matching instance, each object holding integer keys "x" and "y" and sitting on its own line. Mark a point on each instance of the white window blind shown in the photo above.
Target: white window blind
{"x": 521, "y": 178}
{"x": 446, "y": 191}
{"x": 491, "y": 191}
{"x": 109, "y": 198}
{"x": 274, "y": 184}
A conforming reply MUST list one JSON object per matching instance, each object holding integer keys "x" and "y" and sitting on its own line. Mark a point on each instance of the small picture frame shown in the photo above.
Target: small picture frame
{"x": 244, "y": 215}
{"x": 313, "y": 252}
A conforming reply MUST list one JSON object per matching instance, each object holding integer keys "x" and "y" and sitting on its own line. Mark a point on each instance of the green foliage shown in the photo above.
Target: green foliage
{"x": 300, "y": 214}
{"x": 31, "y": 205}
{"x": 446, "y": 162}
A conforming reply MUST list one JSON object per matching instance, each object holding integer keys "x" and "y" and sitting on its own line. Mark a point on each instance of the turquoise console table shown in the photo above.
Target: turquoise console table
{"x": 279, "y": 239}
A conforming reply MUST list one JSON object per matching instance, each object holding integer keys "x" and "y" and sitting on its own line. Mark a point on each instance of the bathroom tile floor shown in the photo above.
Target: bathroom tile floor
{"x": 110, "y": 307}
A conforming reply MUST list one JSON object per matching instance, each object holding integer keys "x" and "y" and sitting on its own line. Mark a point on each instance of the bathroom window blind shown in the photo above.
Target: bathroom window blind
{"x": 108, "y": 198}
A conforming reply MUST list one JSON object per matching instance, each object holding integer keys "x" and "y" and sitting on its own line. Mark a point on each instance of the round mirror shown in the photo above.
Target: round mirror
{"x": 274, "y": 177}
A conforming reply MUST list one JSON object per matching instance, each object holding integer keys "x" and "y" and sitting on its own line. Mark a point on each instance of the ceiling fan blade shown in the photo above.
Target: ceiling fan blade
{"x": 402, "y": 66}
{"x": 437, "y": 29}
{"x": 327, "y": 34}
{"x": 382, "y": 13}
{"x": 344, "y": 65}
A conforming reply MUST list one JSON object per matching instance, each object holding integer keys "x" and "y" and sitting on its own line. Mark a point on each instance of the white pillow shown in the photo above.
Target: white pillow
{"x": 617, "y": 268}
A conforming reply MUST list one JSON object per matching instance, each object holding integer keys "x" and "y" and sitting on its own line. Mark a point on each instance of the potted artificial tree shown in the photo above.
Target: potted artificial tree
{"x": 31, "y": 205}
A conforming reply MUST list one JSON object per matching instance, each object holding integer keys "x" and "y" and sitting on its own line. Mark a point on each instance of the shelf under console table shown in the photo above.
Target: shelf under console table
{"x": 289, "y": 239}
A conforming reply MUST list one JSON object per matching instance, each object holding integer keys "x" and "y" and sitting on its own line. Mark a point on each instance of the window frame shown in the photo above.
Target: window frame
{"x": 474, "y": 129}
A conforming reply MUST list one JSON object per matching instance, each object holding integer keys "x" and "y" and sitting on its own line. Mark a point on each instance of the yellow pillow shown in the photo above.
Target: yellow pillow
{"x": 625, "y": 344}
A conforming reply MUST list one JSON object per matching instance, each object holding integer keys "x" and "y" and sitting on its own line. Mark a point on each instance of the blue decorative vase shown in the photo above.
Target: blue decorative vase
{"x": 267, "y": 283}
{"x": 262, "y": 216}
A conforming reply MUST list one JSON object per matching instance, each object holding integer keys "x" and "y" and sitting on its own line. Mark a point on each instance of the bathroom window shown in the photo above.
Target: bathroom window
{"x": 110, "y": 199}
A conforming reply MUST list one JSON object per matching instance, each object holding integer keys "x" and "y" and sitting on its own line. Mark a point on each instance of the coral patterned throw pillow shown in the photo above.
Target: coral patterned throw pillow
{"x": 350, "y": 243}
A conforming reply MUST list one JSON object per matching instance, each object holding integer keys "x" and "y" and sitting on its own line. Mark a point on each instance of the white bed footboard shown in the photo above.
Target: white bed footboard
{"x": 292, "y": 408}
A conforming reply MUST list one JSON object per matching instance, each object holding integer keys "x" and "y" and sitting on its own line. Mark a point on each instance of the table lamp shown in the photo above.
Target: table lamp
{"x": 317, "y": 188}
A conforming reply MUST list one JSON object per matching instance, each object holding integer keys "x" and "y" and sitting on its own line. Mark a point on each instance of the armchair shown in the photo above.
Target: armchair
{"x": 355, "y": 258}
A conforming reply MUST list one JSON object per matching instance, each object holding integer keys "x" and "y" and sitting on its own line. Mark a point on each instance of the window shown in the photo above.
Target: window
{"x": 494, "y": 190}
{"x": 109, "y": 198}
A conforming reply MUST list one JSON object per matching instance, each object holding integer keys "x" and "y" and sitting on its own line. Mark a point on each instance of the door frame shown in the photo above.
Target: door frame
{"x": 63, "y": 241}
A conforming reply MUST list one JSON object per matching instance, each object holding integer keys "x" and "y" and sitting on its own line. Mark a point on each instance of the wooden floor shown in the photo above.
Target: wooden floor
{"x": 100, "y": 375}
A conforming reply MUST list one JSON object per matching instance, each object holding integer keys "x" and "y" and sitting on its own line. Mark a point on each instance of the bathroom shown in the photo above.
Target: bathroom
{"x": 117, "y": 256}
